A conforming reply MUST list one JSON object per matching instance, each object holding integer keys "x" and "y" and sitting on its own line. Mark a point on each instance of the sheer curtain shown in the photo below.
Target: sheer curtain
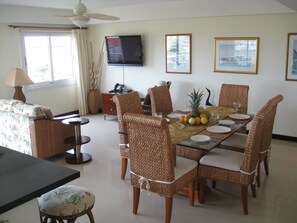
{"x": 81, "y": 68}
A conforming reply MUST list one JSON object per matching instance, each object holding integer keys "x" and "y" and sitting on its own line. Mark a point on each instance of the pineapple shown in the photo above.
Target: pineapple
{"x": 194, "y": 102}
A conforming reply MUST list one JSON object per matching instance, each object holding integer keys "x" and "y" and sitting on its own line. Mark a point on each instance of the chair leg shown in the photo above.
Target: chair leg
{"x": 258, "y": 178}
{"x": 191, "y": 192}
{"x": 213, "y": 184}
{"x": 169, "y": 201}
{"x": 266, "y": 166}
{"x": 136, "y": 193}
{"x": 244, "y": 193}
{"x": 202, "y": 189}
{"x": 124, "y": 168}
{"x": 91, "y": 217}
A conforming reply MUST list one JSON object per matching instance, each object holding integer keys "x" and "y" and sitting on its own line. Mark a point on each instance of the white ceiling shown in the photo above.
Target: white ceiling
{"x": 42, "y": 11}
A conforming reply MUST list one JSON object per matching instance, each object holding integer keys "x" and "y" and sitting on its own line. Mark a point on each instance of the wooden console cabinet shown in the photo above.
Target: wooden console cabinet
{"x": 108, "y": 106}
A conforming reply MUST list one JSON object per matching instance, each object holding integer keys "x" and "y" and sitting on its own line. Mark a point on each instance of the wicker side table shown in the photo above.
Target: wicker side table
{"x": 77, "y": 140}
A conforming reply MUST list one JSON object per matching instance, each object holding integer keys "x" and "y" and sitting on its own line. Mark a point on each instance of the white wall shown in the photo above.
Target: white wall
{"x": 272, "y": 30}
{"x": 60, "y": 100}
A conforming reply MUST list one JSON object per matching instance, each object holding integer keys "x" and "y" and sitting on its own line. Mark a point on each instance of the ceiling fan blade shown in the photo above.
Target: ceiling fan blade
{"x": 101, "y": 16}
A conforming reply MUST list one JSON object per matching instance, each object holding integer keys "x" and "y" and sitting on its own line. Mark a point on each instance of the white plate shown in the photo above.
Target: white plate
{"x": 239, "y": 116}
{"x": 174, "y": 115}
{"x": 218, "y": 129}
{"x": 200, "y": 138}
{"x": 226, "y": 122}
{"x": 167, "y": 119}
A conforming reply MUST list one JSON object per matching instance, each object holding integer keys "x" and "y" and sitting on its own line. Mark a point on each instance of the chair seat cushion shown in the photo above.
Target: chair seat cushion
{"x": 237, "y": 140}
{"x": 66, "y": 200}
{"x": 183, "y": 166}
{"x": 222, "y": 158}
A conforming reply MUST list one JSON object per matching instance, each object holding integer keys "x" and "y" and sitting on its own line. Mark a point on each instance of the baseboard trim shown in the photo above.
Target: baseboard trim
{"x": 68, "y": 113}
{"x": 286, "y": 138}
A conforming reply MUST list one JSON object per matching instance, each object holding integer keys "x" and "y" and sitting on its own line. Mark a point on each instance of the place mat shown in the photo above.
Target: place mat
{"x": 180, "y": 131}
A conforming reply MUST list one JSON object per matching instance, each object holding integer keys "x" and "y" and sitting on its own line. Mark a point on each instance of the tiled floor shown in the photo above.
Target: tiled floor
{"x": 276, "y": 200}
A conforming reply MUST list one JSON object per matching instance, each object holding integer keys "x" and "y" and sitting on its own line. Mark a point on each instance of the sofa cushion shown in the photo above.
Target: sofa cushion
{"x": 7, "y": 104}
{"x": 30, "y": 110}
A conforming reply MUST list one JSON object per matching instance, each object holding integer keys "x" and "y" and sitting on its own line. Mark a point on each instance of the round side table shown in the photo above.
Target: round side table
{"x": 77, "y": 140}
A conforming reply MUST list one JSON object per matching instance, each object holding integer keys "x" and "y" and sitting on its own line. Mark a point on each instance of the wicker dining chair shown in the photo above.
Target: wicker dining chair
{"x": 232, "y": 166}
{"x": 152, "y": 161}
{"x": 146, "y": 104}
{"x": 160, "y": 100}
{"x": 230, "y": 93}
{"x": 238, "y": 140}
{"x": 129, "y": 102}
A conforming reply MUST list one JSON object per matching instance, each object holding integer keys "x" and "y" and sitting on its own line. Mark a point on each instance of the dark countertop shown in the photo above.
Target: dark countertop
{"x": 23, "y": 178}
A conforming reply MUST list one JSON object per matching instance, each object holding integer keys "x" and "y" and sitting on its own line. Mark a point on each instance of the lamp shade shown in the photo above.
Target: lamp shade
{"x": 18, "y": 77}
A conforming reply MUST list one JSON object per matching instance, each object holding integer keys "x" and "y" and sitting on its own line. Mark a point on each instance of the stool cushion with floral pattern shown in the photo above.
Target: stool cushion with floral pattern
{"x": 66, "y": 200}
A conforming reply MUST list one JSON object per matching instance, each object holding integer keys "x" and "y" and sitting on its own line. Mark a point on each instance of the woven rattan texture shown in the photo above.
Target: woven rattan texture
{"x": 160, "y": 100}
{"x": 189, "y": 153}
{"x": 270, "y": 111}
{"x": 151, "y": 154}
{"x": 250, "y": 159}
{"x": 126, "y": 103}
{"x": 230, "y": 93}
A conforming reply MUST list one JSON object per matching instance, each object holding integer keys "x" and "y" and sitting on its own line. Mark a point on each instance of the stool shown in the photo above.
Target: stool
{"x": 67, "y": 202}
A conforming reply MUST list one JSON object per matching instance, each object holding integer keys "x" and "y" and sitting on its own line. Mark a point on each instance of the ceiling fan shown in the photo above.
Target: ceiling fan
{"x": 81, "y": 17}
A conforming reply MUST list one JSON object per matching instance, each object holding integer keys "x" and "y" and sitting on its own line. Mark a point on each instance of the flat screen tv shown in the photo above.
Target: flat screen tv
{"x": 124, "y": 50}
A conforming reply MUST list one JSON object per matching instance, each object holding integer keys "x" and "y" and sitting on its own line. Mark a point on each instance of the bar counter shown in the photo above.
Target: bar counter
{"x": 23, "y": 178}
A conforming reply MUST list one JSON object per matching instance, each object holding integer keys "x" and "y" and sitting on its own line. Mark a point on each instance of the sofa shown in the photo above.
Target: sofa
{"x": 32, "y": 129}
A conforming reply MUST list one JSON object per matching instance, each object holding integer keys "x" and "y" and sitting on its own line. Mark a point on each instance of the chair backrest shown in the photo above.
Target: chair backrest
{"x": 147, "y": 99}
{"x": 129, "y": 102}
{"x": 276, "y": 99}
{"x": 253, "y": 143}
{"x": 151, "y": 155}
{"x": 230, "y": 93}
{"x": 270, "y": 111}
{"x": 160, "y": 100}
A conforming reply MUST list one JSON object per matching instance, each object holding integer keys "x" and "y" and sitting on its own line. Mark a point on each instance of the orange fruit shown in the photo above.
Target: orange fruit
{"x": 182, "y": 118}
{"x": 198, "y": 121}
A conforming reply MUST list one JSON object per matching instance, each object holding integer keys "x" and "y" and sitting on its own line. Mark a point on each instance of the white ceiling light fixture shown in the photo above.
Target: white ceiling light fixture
{"x": 81, "y": 17}
{"x": 80, "y": 21}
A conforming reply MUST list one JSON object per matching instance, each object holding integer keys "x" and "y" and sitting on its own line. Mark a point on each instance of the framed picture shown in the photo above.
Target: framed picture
{"x": 236, "y": 55}
{"x": 178, "y": 53}
{"x": 291, "y": 68}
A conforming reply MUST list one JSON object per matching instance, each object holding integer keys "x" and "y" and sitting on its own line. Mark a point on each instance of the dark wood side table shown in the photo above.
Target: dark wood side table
{"x": 77, "y": 140}
{"x": 108, "y": 106}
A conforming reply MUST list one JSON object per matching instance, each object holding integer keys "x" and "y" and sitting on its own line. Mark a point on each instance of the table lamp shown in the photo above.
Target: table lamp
{"x": 18, "y": 78}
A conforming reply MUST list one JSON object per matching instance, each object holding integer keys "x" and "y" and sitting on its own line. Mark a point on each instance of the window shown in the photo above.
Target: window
{"x": 47, "y": 58}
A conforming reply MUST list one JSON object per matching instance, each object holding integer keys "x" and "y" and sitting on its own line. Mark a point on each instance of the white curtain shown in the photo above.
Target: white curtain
{"x": 81, "y": 68}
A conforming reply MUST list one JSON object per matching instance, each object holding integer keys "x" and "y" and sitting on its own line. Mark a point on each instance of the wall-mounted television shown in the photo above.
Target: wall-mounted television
{"x": 124, "y": 50}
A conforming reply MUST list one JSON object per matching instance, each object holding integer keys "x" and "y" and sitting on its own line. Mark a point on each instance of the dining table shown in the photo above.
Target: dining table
{"x": 182, "y": 134}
